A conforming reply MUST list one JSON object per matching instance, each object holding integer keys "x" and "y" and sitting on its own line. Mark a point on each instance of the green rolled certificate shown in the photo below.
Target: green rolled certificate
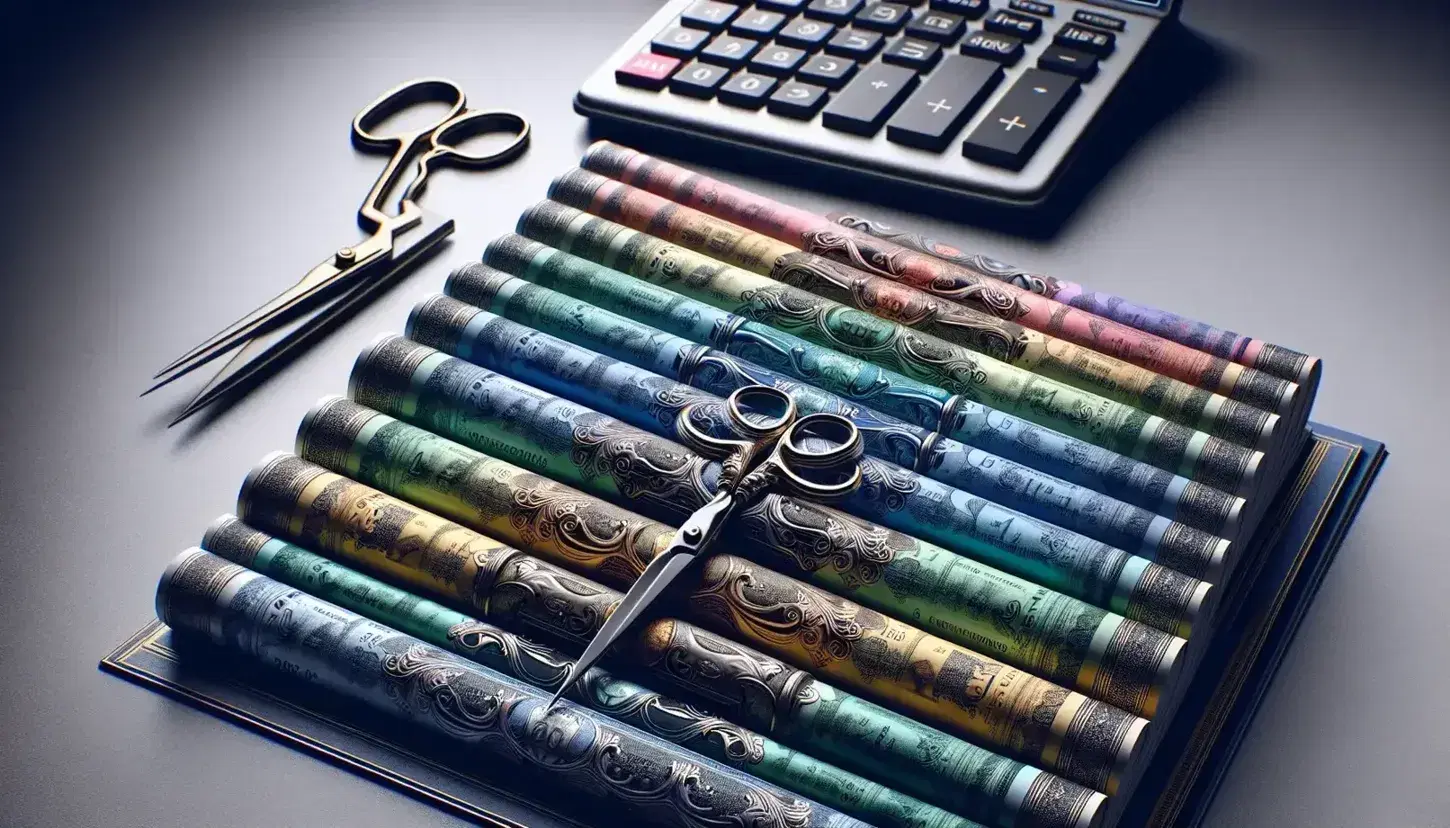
{"x": 520, "y": 658}
{"x": 433, "y": 556}
{"x": 1026, "y": 716}
{"x": 1088, "y": 416}
{"x": 482, "y": 712}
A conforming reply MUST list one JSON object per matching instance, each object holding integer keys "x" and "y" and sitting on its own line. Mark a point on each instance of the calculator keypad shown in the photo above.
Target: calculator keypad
{"x": 921, "y": 69}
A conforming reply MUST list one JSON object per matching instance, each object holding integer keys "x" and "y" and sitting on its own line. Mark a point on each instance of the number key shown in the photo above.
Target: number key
{"x": 886, "y": 17}
{"x": 1005, "y": 22}
{"x": 828, "y": 71}
{"x": 728, "y": 50}
{"x": 920, "y": 55}
{"x": 711, "y": 15}
{"x": 747, "y": 90}
{"x": 780, "y": 61}
{"x": 761, "y": 24}
{"x": 938, "y": 26}
{"x": 679, "y": 42}
{"x": 855, "y": 43}
{"x": 970, "y": 9}
{"x": 797, "y": 100}
{"x": 836, "y": 11}
{"x": 698, "y": 80}
{"x": 806, "y": 33}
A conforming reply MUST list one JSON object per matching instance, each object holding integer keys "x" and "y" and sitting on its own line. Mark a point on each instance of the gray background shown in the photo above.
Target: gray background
{"x": 172, "y": 166}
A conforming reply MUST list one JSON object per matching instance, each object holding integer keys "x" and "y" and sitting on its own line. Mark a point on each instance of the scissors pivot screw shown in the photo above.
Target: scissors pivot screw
{"x": 346, "y": 256}
{"x": 692, "y": 534}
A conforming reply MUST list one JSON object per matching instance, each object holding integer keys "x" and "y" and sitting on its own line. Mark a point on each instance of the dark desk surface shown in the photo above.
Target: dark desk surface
{"x": 178, "y": 165}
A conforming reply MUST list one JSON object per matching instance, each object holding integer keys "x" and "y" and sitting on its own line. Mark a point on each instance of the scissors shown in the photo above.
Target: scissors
{"x": 352, "y": 275}
{"x": 816, "y": 457}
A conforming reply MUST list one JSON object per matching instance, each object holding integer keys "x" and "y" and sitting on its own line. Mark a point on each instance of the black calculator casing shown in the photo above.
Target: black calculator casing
{"x": 947, "y": 172}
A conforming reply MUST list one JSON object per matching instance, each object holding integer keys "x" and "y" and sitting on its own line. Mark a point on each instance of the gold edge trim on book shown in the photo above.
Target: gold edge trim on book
{"x": 147, "y": 638}
{"x": 1206, "y": 734}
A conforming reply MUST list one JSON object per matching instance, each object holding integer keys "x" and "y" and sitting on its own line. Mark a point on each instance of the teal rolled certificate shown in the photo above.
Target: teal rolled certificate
{"x": 478, "y": 710}
{"x": 523, "y": 659}
{"x": 1121, "y": 661}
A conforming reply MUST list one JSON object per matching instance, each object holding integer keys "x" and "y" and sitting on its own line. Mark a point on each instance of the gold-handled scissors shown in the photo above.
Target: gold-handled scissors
{"x": 815, "y": 457}
{"x": 353, "y": 274}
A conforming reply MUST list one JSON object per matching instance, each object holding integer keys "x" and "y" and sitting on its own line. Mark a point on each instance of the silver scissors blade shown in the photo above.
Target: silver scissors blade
{"x": 266, "y": 349}
{"x": 693, "y": 535}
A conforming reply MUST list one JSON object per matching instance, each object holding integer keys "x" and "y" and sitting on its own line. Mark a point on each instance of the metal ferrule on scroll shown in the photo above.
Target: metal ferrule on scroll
{"x": 488, "y": 715}
{"x": 1284, "y": 363}
{"x": 998, "y": 338}
{"x": 437, "y": 557}
{"x": 861, "y": 382}
{"x": 929, "y": 359}
{"x": 818, "y": 234}
{"x": 1028, "y": 717}
{"x": 521, "y": 658}
{"x": 520, "y": 347}
{"x": 1026, "y": 624}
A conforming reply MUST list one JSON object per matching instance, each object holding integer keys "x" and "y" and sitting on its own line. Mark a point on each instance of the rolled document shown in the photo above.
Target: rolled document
{"x": 1007, "y": 341}
{"x": 1253, "y": 353}
{"x": 1136, "y": 433}
{"x": 481, "y": 711}
{"x": 650, "y": 401}
{"x": 1086, "y": 738}
{"x": 818, "y": 234}
{"x": 1068, "y": 641}
{"x": 926, "y": 405}
{"x": 522, "y": 659}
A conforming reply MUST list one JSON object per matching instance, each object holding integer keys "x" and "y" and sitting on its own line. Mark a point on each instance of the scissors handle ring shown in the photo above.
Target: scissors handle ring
{"x": 776, "y": 411}
{"x": 475, "y": 122}
{"x": 795, "y": 463}
{"x": 399, "y": 98}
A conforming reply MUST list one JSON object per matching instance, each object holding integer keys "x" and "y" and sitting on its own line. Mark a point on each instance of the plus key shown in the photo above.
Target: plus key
{"x": 934, "y": 115}
{"x": 1019, "y": 122}
{"x": 865, "y": 104}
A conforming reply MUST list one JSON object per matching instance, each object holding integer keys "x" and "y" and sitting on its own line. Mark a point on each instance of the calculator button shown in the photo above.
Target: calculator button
{"x": 1007, "y": 23}
{"x": 747, "y": 90}
{"x": 1074, "y": 36}
{"x": 797, "y": 100}
{"x": 698, "y": 80}
{"x": 969, "y": 9}
{"x": 781, "y": 61}
{"x": 827, "y": 70}
{"x": 885, "y": 17}
{"x": 938, "y": 26}
{"x": 781, "y": 5}
{"x": 1016, "y": 126}
{"x": 835, "y": 11}
{"x": 710, "y": 15}
{"x": 1005, "y": 49}
{"x": 646, "y": 71}
{"x": 856, "y": 43}
{"x": 920, "y": 55}
{"x": 937, "y": 111}
{"x": 866, "y": 102}
{"x": 1080, "y": 65}
{"x": 679, "y": 42}
{"x": 1100, "y": 21}
{"x": 1032, "y": 7}
{"x": 729, "y": 50}
{"x": 756, "y": 23}
{"x": 806, "y": 33}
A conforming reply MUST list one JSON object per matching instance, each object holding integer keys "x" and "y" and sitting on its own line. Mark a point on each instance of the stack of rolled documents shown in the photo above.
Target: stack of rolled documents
{"x": 1058, "y": 486}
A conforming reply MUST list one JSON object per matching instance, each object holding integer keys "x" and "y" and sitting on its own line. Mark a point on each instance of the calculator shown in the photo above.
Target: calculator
{"x": 987, "y": 99}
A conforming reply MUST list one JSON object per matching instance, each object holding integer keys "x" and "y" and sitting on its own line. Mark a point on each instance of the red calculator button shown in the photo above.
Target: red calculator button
{"x": 647, "y": 71}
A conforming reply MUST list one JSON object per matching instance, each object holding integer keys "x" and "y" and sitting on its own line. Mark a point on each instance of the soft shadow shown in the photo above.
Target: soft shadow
{"x": 1179, "y": 67}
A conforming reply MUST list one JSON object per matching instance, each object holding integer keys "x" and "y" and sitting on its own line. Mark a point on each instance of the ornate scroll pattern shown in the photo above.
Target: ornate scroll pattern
{"x": 579, "y": 527}
{"x": 815, "y": 537}
{"x": 672, "y": 720}
{"x": 548, "y": 597}
{"x": 893, "y": 265}
{"x": 777, "y": 609}
{"x": 641, "y": 465}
